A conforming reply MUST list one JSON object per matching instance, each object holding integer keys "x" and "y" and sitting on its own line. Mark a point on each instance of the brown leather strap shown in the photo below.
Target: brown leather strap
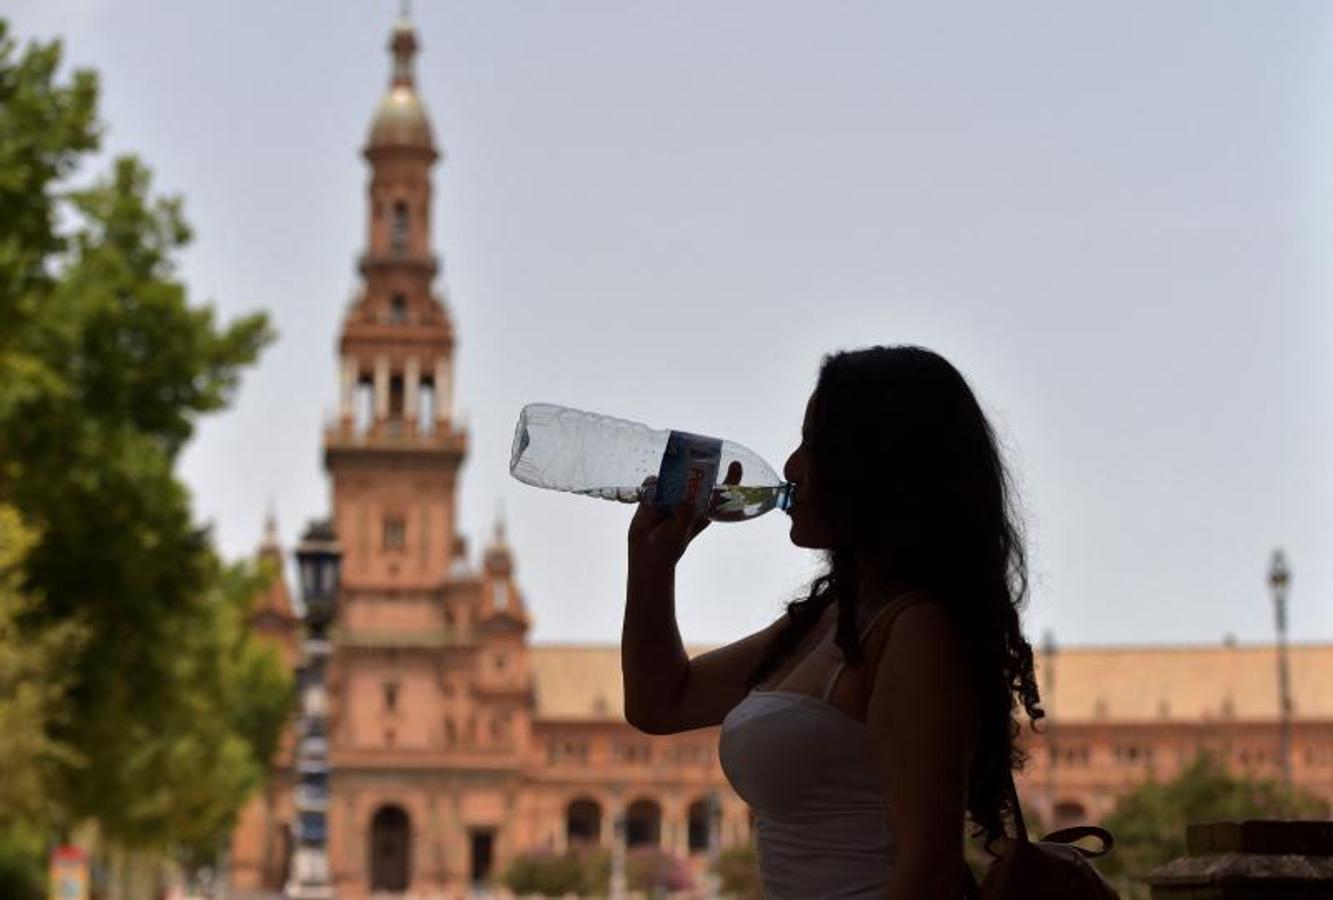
{"x": 1078, "y": 833}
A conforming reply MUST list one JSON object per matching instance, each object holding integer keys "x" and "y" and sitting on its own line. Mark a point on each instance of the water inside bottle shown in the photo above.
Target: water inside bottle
{"x": 736, "y": 502}
{"x": 728, "y": 502}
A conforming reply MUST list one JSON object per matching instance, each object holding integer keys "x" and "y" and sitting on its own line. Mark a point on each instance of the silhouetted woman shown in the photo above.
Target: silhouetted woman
{"x": 866, "y": 725}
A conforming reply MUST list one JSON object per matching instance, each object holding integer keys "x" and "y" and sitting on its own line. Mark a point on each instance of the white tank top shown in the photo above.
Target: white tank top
{"x": 805, "y": 768}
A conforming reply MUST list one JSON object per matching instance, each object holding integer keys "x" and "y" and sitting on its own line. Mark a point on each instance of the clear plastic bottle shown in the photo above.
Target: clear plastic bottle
{"x": 585, "y": 453}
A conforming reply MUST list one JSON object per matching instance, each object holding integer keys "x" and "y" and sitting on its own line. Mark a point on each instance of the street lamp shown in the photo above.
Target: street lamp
{"x": 1052, "y": 748}
{"x": 319, "y": 560}
{"x": 1279, "y": 577}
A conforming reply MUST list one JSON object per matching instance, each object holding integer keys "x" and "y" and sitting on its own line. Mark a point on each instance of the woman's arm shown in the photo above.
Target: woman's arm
{"x": 919, "y": 715}
{"x": 665, "y": 691}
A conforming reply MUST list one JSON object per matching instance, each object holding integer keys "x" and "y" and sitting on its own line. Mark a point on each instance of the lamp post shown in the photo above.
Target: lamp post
{"x": 319, "y": 561}
{"x": 1052, "y": 748}
{"x": 1279, "y": 577}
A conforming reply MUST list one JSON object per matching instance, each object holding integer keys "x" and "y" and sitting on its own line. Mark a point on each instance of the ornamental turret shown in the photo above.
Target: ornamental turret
{"x": 395, "y": 450}
{"x": 400, "y": 122}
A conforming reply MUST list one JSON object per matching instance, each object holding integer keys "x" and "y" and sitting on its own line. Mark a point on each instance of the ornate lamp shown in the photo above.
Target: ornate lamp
{"x": 319, "y": 559}
{"x": 1279, "y": 577}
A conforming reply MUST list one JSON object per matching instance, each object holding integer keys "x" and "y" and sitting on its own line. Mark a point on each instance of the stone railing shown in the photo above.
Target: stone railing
{"x": 1250, "y": 860}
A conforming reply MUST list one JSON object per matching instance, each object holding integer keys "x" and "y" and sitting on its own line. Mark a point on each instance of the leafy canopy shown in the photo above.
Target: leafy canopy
{"x": 168, "y": 709}
{"x": 1149, "y": 821}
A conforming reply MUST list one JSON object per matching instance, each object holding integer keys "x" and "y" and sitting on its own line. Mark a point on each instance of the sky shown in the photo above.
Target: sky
{"x": 1115, "y": 219}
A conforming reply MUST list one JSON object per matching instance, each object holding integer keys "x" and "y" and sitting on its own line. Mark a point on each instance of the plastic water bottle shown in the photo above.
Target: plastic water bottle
{"x": 585, "y": 453}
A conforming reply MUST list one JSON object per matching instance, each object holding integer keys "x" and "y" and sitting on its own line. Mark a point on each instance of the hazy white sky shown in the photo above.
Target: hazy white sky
{"x": 1116, "y": 220}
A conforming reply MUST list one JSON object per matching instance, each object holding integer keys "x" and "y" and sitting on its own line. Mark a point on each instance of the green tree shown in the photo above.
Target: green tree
{"x": 1149, "y": 822}
{"x": 105, "y": 366}
{"x": 45, "y": 130}
{"x": 582, "y": 871}
{"x": 33, "y": 680}
{"x": 737, "y": 869}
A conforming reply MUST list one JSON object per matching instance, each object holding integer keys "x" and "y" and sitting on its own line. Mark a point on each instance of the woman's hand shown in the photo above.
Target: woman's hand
{"x": 658, "y": 540}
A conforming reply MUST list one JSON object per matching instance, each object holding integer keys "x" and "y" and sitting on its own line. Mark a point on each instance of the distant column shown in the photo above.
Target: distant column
{"x": 678, "y": 830}
{"x": 560, "y": 831}
{"x": 412, "y": 390}
{"x": 381, "y": 388}
{"x": 347, "y": 392}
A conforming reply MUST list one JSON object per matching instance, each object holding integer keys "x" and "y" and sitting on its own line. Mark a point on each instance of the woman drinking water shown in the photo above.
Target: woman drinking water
{"x": 876, "y": 718}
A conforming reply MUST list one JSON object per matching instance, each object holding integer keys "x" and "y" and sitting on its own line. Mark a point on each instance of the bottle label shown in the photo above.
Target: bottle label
{"x": 688, "y": 472}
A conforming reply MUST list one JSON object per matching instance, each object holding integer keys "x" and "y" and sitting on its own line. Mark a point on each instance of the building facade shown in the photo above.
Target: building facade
{"x": 454, "y": 744}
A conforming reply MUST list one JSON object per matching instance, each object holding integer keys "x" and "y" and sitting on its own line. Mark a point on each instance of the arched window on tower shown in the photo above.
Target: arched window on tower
{"x": 397, "y": 398}
{"x": 398, "y": 309}
{"x": 398, "y": 230}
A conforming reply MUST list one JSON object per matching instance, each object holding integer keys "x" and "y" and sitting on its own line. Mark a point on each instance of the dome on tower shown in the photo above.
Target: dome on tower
{"x": 400, "y": 119}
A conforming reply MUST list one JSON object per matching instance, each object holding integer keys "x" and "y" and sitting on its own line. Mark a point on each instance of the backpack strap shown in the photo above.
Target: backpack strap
{"x": 1078, "y": 833}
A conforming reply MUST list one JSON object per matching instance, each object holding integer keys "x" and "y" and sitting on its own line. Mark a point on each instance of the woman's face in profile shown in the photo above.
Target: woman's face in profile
{"x": 808, "y": 528}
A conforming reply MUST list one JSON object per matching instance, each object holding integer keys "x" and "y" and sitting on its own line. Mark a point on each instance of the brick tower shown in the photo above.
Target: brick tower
{"x": 453, "y": 746}
{"x": 430, "y": 689}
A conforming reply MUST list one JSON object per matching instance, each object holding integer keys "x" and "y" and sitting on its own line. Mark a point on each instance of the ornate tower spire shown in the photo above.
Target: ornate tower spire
{"x": 401, "y": 120}
{"x": 404, "y": 47}
{"x": 395, "y": 451}
{"x": 499, "y": 558}
{"x": 269, "y": 543}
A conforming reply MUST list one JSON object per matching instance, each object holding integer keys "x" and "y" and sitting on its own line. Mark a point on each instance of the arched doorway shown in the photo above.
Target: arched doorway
{"x": 697, "y": 819}
{"x": 1070, "y": 812}
{"x": 583, "y": 822}
{"x": 278, "y": 869}
{"x": 643, "y": 824}
{"x": 390, "y": 842}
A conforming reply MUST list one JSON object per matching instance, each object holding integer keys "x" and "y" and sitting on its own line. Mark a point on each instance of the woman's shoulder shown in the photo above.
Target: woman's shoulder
{"x": 905, "y": 616}
{"x": 879, "y": 607}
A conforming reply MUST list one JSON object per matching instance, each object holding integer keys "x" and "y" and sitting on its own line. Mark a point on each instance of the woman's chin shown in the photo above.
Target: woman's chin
{"x": 801, "y": 536}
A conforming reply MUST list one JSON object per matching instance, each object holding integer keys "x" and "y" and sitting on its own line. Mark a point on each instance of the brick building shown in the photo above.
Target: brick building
{"x": 455, "y": 744}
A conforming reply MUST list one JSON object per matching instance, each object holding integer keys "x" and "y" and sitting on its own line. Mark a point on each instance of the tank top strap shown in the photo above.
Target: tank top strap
{"x": 896, "y": 606}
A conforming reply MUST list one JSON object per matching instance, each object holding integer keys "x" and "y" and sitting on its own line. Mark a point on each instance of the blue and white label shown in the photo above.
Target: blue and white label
{"x": 688, "y": 472}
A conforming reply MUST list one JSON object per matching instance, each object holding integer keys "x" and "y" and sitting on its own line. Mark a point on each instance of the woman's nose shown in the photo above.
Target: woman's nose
{"x": 790, "y": 469}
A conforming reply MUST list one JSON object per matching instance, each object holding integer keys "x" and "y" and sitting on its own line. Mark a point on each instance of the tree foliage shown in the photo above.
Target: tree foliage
{"x": 579, "y": 871}
{"x": 105, "y": 366}
{"x": 1149, "y": 822}
{"x": 34, "y": 676}
{"x": 738, "y": 872}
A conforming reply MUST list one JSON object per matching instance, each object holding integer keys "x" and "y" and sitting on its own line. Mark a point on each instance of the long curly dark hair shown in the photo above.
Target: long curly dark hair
{"x": 908, "y": 476}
